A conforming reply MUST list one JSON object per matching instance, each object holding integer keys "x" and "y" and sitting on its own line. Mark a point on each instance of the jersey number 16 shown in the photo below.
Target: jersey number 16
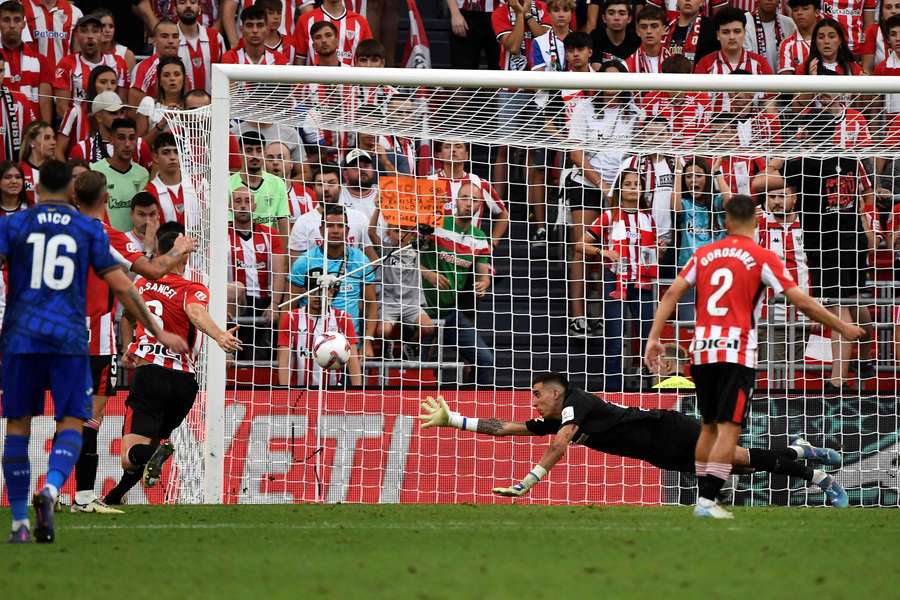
{"x": 49, "y": 264}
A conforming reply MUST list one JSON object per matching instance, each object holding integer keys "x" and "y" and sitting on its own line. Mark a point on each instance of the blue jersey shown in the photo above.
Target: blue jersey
{"x": 700, "y": 224}
{"x": 349, "y": 297}
{"x": 48, "y": 250}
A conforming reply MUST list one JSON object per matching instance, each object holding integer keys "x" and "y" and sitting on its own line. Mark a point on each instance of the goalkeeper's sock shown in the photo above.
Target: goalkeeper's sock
{"x": 65, "y": 451}
{"x": 139, "y": 454}
{"x": 775, "y": 462}
{"x": 17, "y": 472}
{"x": 711, "y": 484}
{"x": 86, "y": 467}
{"x": 129, "y": 480}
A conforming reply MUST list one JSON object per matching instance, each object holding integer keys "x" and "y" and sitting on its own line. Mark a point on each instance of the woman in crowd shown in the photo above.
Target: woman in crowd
{"x": 171, "y": 90}
{"x": 12, "y": 189}
{"x": 38, "y": 146}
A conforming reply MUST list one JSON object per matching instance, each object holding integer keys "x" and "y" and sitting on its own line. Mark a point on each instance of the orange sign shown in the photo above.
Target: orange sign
{"x": 409, "y": 201}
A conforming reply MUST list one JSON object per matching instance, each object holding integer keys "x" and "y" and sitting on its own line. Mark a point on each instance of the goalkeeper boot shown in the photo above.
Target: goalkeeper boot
{"x": 708, "y": 509}
{"x": 153, "y": 468}
{"x": 44, "y": 504}
{"x": 20, "y": 536}
{"x": 807, "y": 451}
{"x": 834, "y": 492}
{"x": 94, "y": 505}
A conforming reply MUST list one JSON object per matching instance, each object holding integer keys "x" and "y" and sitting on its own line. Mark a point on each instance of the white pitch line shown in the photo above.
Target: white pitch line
{"x": 444, "y": 525}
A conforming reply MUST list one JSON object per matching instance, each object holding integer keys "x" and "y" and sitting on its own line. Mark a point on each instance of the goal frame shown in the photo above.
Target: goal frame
{"x": 224, "y": 75}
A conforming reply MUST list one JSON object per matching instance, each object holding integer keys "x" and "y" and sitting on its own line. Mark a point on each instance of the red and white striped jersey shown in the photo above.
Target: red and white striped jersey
{"x": 26, "y": 69}
{"x": 93, "y": 149}
{"x": 15, "y": 114}
{"x": 31, "y": 176}
{"x": 73, "y": 73}
{"x": 792, "y": 53}
{"x": 730, "y": 276}
{"x": 76, "y": 124}
{"x": 352, "y": 28}
{"x": 503, "y": 20}
{"x": 285, "y": 47}
{"x": 198, "y": 54}
{"x": 671, "y": 6}
{"x": 688, "y": 113}
{"x": 209, "y": 11}
{"x": 490, "y": 204}
{"x": 632, "y": 235}
{"x": 170, "y": 200}
{"x": 852, "y": 69}
{"x": 849, "y": 13}
{"x": 301, "y": 200}
{"x": 143, "y": 76}
{"x": 168, "y": 298}
{"x": 239, "y": 56}
{"x": 288, "y": 12}
{"x": 250, "y": 260}
{"x": 640, "y": 62}
{"x": 50, "y": 28}
{"x": 785, "y": 239}
{"x": 101, "y": 302}
{"x": 888, "y": 67}
{"x": 298, "y": 330}
{"x": 874, "y": 45}
{"x": 740, "y": 170}
{"x": 485, "y": 6}
{"x": 717, "y": 63}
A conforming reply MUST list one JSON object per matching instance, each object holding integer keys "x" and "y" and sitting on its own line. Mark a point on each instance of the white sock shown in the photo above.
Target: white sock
{"x": 819, "y": 476}
{"x": 54, "y": 493}
{"x": 18, "y": 523}
{"x": 84, "y": 496}
{"x": 705, "y": 502}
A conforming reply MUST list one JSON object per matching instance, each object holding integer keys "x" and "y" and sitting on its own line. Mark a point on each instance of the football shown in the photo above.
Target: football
{"x": 331, "y": 350}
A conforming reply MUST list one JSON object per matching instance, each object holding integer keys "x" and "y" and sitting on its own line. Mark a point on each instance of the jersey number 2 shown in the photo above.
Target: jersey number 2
{"x": 722, "y": 279}
{"x": 47, "y": 260}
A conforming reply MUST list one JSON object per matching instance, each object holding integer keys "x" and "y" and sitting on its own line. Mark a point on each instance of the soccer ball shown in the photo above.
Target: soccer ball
{"x": 331, "y": 350}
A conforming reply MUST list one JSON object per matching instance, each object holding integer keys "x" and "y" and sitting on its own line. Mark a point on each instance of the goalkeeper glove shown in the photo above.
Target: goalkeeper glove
{"x": 435, "y": 413}
{"x": 523, "y": 487}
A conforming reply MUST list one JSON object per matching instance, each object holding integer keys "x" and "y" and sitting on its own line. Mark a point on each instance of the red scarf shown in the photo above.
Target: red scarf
{"x": 691, "y": 40}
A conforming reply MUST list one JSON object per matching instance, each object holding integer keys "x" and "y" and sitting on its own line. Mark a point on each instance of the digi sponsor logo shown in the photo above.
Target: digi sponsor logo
{"x": 717, "y": 344}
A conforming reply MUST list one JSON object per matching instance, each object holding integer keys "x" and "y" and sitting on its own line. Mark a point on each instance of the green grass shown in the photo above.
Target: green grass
{"x": 419, "y": 551}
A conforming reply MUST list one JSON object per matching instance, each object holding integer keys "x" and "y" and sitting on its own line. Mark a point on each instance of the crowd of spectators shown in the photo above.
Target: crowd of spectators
{"x": 305, "y": 202}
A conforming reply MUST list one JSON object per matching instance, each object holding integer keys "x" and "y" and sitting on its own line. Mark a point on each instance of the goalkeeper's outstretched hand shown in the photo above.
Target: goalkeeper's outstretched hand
{"x": 435, "y": 413}
{"x": 514, "y": 491}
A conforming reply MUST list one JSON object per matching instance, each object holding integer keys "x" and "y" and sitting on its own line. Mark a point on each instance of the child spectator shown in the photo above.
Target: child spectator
{"x": 731, "y": 31}
{"x": 354, "y": 28}
{"x": 651, "y": 28}
{"x": 687, "y": 113}
{"x": 875, "y": 48}
{"x": 199, "y": 45}
{"x": 28, "y": 71}
{"x": 766, "y": 30}
{"x": 253, "y": 50}
{"x": 615, "y": 39}
{"x": 690, "y": 33}
{"x": 281, "y": 14}
{"x": 794, "y": 50}
{"x": 547, "y": 51}
{"x": 171, "y": 90}
{"x": 174, "y": 196}
{"x": 143, "y": 77}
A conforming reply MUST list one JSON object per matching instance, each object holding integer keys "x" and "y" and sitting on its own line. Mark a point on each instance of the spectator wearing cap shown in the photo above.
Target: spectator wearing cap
{"x": 15, "y": 114}
{"x": 27, "y": 69}
{"x": 105, "y": 109}
{"x": 143, "y": 76}
{"x": 76, "y": 124}
{"x": 124, "y": 177}
{"x": 50, "y": 24}
{"x": 360, "y": 190}
{"x": 269, "y": 192}
{"x": 171, "y": 90}
{"x": 73, "y": 71}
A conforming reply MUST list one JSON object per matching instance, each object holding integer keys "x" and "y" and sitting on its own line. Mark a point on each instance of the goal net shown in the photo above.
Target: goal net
{"x": 482, "y": 228}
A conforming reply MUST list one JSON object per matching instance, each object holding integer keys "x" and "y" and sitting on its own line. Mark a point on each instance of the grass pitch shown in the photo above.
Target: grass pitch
{"x": 425, "y": 551}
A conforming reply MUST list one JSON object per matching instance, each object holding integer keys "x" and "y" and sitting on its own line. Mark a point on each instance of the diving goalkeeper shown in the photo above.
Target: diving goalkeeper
{"x": 663, "y": 438}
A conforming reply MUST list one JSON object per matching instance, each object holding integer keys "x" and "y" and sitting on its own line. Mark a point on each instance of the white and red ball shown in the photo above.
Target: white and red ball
{"x": 331, "y": 350}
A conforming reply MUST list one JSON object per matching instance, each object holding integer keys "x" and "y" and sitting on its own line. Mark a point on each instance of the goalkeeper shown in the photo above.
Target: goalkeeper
{"x": 663, "y": 438}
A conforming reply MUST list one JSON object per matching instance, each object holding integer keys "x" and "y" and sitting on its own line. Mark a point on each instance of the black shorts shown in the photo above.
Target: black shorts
{"x": 675, "y": 439}
{"x": 838, "y": 270}
{"x": 104, "y": 375}
{"x": 724, "y": 391}
{"x": 580, "y": 196}
{"x": 159, "y": 401}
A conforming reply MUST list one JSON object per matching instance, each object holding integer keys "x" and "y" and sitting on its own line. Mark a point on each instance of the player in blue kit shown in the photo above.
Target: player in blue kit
{"x": 48, "y": 250}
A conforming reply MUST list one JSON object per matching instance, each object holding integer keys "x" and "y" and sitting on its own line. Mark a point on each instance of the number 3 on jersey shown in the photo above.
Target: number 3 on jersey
{"x": 722, "y": 279}
{"x": 49, "y": 266}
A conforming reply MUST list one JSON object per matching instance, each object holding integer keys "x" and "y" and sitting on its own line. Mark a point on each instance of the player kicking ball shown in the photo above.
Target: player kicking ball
{"x": 48, "y": 250}
{"x": 164, "y": 386}
{"x": 664, "y": 438}
{"x": 730, "y": 276}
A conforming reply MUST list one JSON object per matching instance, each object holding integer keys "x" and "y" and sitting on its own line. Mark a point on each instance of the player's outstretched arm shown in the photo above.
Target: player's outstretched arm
{"x": 655, "y": 349}
{"x": 818, "y": 313}
{"x": 552, "y": 455}
{"x": 131, "y": 300}
{"x": 160, "y": 265}
{"x": 201, "y": 319}
{"x": 436, "y": 413}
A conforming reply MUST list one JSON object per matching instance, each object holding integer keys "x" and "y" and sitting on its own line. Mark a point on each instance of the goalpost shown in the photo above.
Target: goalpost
{"x": 250, "y": 439}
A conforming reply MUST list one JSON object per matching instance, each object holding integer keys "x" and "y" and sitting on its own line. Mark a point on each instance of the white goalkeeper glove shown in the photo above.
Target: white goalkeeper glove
{"x": 518, "y": 490}
{"x": 436, "y": 413}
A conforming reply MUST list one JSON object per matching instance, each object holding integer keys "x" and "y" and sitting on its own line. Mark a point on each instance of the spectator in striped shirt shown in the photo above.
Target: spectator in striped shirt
{"x": 172, "y": 193}
{"x": 28, "y": 70}
{"x": 199, "y": 46}
{"x": 252, "y": 49}
{"x": 794, "y": 49}
{"x": 77, "y": 125}
{"x": 143, "y": 77}
{"x": 15, "y": 113}
{"x": 875, "y": 47}
{"x": 38, "y": 146}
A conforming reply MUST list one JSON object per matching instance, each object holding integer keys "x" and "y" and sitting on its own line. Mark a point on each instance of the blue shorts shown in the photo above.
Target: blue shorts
{"x": 27, "y": 376}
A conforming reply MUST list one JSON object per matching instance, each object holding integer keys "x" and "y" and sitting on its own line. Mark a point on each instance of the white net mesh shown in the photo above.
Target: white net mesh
{"x": 550, "y": 176}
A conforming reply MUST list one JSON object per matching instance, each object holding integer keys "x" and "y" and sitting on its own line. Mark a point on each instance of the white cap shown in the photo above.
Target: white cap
{"x": 356, "y": 154}
{"x": 108, "y": 101}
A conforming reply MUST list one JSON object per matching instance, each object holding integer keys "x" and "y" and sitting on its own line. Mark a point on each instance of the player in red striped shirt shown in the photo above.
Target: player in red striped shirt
{"x": 730, "y": 276}
{"x": 91, "y": 195}
{"x": 352, "y": 29}
{"x": 199, "y": 47}
{"x": 164, "y": 386}
{"x": 252, "y": 49}
{"x": 73, "y": 71}
{"x": 29, "y": 72}
{"x": 143, "y": 77}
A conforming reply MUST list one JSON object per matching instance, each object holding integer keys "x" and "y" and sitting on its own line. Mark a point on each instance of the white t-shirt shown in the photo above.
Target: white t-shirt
{"x": 307, "y": 230}
{"x": 365, "y": 204}
{"x": 595, "y": 126}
